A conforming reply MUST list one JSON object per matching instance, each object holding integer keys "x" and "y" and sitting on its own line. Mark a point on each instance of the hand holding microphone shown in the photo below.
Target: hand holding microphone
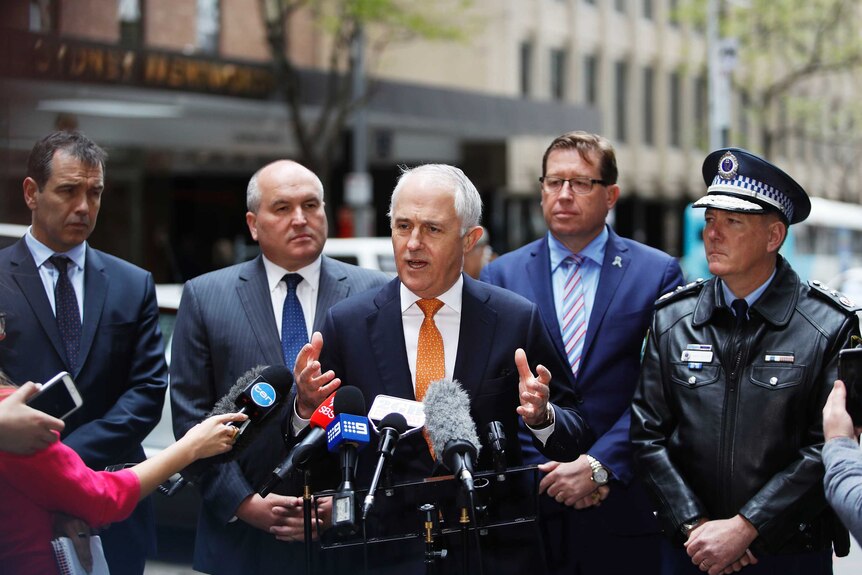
{"x": 257, "y": 394}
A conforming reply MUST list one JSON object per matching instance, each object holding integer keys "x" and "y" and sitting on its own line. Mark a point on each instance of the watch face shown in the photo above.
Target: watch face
{"x": 600, "y": 475}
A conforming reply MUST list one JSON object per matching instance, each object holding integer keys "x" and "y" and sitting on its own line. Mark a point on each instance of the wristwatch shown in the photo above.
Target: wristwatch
{"x": 600, "y": 472}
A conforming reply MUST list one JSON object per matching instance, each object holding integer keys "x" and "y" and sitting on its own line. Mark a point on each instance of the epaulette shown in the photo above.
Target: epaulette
{"x": 680, "y": 291}
{"x": 833, "y": 296}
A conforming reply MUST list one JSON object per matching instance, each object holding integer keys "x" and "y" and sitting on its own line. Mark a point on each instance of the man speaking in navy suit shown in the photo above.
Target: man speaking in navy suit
{"x": 491, "y": 340}
{"x": 77, "y": 309}
{"x": 596, "y": 292}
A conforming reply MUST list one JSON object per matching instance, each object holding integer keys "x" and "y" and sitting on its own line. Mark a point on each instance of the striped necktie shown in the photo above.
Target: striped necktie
{"x": 294, "y": 333}
{"x": 430, "y": 359}
{"x": 67, "y": 313}
{"x": 574, "y": 324}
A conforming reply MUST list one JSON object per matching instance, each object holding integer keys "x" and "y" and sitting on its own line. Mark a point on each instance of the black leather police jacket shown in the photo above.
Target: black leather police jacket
{"x": 736, "y": 428}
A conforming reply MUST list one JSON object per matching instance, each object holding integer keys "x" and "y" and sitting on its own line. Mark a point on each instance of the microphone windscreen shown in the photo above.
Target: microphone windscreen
{"x": 447, "y": 415}
{"x": 227, "y": 404}
{"x": 349, "y": 400}
{"x": 394, "y": 421}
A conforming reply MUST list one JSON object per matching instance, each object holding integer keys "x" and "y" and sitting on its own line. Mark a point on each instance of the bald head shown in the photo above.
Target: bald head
{"x": 286, "y": 214}
{"x": 278, "y": 171}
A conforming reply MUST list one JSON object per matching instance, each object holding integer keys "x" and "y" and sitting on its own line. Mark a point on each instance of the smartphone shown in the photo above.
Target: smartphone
{"x": 58, "y": 397}
{"x": 850, "y": 372}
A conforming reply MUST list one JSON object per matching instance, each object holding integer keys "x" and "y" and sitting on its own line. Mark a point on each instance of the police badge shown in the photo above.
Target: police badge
{"x": 728, "y": 166}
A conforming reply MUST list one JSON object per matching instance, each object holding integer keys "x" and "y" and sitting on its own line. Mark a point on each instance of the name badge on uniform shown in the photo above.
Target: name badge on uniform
{"x": 779, "y": 357}
{"x": 697, "y": 353}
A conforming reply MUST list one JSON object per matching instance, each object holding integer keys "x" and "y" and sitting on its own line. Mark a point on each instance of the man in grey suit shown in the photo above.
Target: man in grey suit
{"x": 256, "y": 313}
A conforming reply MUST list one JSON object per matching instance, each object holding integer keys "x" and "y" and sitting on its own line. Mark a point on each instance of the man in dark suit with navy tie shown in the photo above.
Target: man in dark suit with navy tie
{"x": 493, "y": 343}
{"x": 257, "y": 313}
{"x": 596, "y": 292}
{"x": 77, "y": 309}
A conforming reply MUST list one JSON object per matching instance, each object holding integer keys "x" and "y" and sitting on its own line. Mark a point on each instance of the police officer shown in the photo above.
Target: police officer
{"x": 726, "y": 419}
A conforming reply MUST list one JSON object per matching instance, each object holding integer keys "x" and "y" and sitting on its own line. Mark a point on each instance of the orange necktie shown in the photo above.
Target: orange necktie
{"x": 430, "y": 362}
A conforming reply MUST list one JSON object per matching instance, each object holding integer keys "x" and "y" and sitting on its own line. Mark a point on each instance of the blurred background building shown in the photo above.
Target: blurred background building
{"x": 185, "y": 97}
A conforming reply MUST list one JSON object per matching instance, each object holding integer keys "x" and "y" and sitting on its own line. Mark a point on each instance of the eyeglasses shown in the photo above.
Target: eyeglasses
{"x": 580, "y": 186}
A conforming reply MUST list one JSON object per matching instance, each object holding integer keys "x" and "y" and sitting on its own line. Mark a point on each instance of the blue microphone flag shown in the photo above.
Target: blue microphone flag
{"x": 346, "y": 428}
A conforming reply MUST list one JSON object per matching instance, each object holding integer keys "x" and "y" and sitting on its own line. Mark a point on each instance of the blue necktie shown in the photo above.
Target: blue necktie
{"x": 574, "y": 325}
{"x": 294, "y": 333}
{"x": 68, "y": 316}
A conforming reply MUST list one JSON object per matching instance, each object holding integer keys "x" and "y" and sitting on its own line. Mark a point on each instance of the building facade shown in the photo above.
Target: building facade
{"x": 182, "y": 95}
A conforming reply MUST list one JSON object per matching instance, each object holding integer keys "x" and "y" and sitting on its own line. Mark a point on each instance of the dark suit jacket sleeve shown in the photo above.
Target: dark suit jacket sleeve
{"x": 614, "y": 447}
{"x": 122, "y": 428}
{"x": 571, "y": 434}
{"x": 193, "y": 394}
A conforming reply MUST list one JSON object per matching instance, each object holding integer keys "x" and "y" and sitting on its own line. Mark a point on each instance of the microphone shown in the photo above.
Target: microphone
{"x": 497, "y": 442}
{"x": 347, "y": 434}
{"x": 257, "y": 393}
{"x": 391, "y": 427}
{"x": 310, "y": 444}
{"x": 451, "y": 429}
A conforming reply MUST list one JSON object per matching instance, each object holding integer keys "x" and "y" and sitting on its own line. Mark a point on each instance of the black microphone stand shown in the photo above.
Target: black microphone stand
{"x": 430, "y": 522}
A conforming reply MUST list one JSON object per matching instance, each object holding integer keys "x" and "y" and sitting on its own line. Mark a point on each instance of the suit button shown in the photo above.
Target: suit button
{"x": 692, "y": 380}
{"x": 579, "y": 399}
{"x": 773, "y": 381}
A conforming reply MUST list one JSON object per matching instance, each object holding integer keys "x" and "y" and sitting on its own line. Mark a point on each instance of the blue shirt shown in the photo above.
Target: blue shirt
{"x": 591, "y": 270}
{"x": 49, "y": 274}
{"x": 750, "y": 298}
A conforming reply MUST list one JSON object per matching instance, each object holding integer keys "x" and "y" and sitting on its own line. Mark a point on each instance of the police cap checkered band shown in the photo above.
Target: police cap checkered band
{"x": 751, "y": 180}
{"x": 754, "y": 189}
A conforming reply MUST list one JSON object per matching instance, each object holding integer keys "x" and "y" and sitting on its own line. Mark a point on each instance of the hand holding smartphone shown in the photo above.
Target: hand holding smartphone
{"x": 850, "y": 372}
{"x": 58, "y": 397}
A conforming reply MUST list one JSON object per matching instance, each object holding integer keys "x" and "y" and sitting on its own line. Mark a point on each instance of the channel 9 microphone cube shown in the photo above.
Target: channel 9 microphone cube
{"x": 346, "y": 428}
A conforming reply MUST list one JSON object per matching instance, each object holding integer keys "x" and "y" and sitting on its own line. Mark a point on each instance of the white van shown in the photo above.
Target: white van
{"x": 11, "y": 233}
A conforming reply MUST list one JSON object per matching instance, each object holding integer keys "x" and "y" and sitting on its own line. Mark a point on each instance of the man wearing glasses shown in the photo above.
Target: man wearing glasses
{"x": 596, "y": 292}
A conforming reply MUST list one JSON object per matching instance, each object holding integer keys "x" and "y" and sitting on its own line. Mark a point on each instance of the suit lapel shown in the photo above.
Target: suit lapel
{"x": 253, "y": 292}
{"x": 96, "y": 283}
{"x": 332, "y": 289}
{"x": 24, "y": 273}
{"x": 386, "y": 334}
{"x": 539, "y": 272}
{"x": 612, "y": 274}
{"x": 478, "y": 322}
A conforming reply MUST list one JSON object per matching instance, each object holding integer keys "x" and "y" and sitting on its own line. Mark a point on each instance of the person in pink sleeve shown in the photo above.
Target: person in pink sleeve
{"x": 54, "y": 480}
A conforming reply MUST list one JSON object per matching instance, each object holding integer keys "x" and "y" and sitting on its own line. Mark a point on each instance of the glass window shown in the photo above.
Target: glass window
{"x": 131, "y": 28}
{"x": 209, "y": 26}
{"x": 648, "y": 9}
{"x": 591, "y": 79}
{"x": 620, "y": 5}
{"x": 558, "y": 74}
{"x": 675, "y": 111}
{"x": 701, "y": 114}
{"x": 526, "y": 67}
{"x": 673, "y": 12}
{"x": 43, "y": 16}
{"x": 649, "y": 106}
{"x": 621, "y": 92}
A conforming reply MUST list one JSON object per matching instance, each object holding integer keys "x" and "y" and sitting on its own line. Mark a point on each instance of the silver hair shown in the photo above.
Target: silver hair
{"x": 468, "y": 203}
{"x": 252, "y": 193}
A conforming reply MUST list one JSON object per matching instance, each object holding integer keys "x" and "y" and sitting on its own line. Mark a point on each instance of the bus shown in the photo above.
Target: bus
{"x": 825, "y": 246}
